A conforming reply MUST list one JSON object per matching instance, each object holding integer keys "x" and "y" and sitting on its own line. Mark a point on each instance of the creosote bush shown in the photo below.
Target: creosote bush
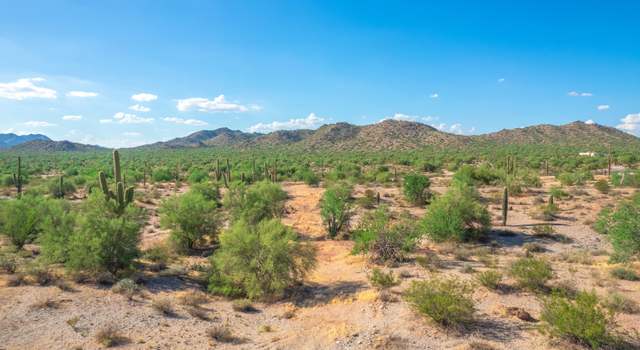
{"x": 21, "y": 218}
{"x": 457, "y": 215}
{"x": 583, "y": 320}
{"x": 622, "y": 227}
{"x": 531, "y": 273}
{"x": 490, "y": 279}
{"x": 259, "y": 261}
{"x": 382, "y": 280}
{"x": 447, "y": 302}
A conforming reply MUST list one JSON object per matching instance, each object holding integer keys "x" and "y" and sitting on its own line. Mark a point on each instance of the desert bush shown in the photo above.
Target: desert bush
{"x": 57, "y": 229}
{"x": 622, "y": 226}
{"x": 164, "y": 306}
{"x": 159, "y": 254}
{"x": 445, "y": 301}
{"x": 56, "y": 192}
{"x": 335, "y": 208}
{"x": 415, "y": 187}
{"x": 191, "y": 217}
{"x": 430, "y": 261}
{"x": 8, "y": 262}
{"x": 583, "y": 320}
{"x": 558, "y": 193}
{"x": 531, "y": 273}
{"x": 457, "y": 215}
{"x": 381, "y": 280}
{"x": 490, "y": 279}
{"x": 222, "y": 334}
{"x": 126, "y": 287}
{"x": 618, "y": 303}
{"x": 21, "y": 219}
{"x": 162, "y": 174}
{"x": 602, "y": 186}
{"x": 209, "y": 190}
{"x": 543, "y": 230}
{"x": 262, "y": 200}
{"x": 197, "y": 175}
{"x": 109, "y": 336}
{"x": 194, "y": 298}
{"x": 383, "y": 241}
{"x": 259, "y": 261}
{"x": 105, "y": 238}
{"x": 368, "y": 201}
{"x": 575, "y": 178}
{"x": 626, "y": 179}
{"x": 626, "y": 274}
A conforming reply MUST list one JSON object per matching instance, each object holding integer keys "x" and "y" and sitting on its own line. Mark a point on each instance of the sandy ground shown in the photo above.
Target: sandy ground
{"x": 335, "y": 308}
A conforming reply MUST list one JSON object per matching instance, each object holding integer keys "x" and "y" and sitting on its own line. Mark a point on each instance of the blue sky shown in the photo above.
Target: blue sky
{"x": 124, "y": 73}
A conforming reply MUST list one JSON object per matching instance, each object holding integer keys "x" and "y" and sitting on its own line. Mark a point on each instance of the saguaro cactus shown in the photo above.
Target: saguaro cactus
{"x": 17, "y": 179}
{"x": 122, "y": 196}
{"x": 505, "y": 206}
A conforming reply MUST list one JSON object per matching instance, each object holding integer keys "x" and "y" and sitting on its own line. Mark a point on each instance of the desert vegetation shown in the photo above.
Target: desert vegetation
{"x": 538, "y": 244}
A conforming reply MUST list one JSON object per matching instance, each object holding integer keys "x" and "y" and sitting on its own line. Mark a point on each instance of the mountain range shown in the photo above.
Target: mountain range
{"x": 10, "y": 140}
{"x": 385, "y": 135}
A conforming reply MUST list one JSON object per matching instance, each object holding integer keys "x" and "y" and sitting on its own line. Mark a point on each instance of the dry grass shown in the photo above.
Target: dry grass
{"x": 163, "y": 306}
{"x": 109, "y": 336}
{"x": 222, "y": 334}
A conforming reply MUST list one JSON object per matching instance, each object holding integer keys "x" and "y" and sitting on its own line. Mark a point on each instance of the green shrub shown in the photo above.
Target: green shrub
{"x": 260, "y": 201}
{"x": 576, "y": 178}
{"x": 531, "y": 273}
{"x": 381, "y": 280}
{"x": 191, "y": 217}
{"x": 57, "y": 229}
{"x": 384, "y": 241}
{"x": 558, "y": 193}
{"x": 445, "y": 301}
{"x": 622, "y": 226}
{"x": 368, "y": 201}
{"x": 618, "y": 303}
{"x": 457, "y": 215}
{"x": 106, "y": 237}
{"x": 602, "y": 186}
{"x": 583, "y": 320}
{"x": 56, "y": 192}
{"x": 309, "y": 177}
{"x": 490, "y": 279}
{"x": 197, "y": 176}
{"x": 162, "y": 174}
{"x": 415, "y": 188}
{"x": 21, "y": 219}
{"x": 210, "y": 191}
{"x": 335, "y": 208}
{"x": 259, "y": 261}
{"x": 626, "y": 274}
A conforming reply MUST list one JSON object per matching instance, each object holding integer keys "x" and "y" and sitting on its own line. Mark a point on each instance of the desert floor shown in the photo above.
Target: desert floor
{"x": 336, "y": 307}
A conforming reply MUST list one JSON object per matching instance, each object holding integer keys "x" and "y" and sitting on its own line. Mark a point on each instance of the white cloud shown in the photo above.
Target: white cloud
{"x": 193, "y": 122}
{"x": 409, "y": 118}
{"x": 590, "y": 122}
{"x": 72, "y": 117}
{"x": 144, "y": 97}
{"x": 630, "y": 123}
{"x": 131, "y": 134}
{"x": 139, "y": 108}
{"x": 582, "y": 94}
{"x": 603, "y": 107}
{"x": 501, "y": 80}
{"x": 38, "y": 124}
{"x": 310, "y": 122}
{"x": 455, "y": 128}
{"x": 81, "y": 94}
{"x": 25, "y": 88}
{"x": 218, "y": 104}
{"x": 126, "y": 118}
{"x": 434, "y": 95}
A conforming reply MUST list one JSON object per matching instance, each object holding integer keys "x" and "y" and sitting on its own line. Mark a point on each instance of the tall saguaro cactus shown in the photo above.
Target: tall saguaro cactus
{"x": 17, "y": 179}
{"x": 121, "y": 196}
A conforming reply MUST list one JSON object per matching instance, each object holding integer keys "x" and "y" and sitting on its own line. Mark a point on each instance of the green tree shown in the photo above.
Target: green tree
{"x": 259, "y": 261}
{"x": 21, "y": 219}
{"x": 335, "y": 208}
{"x": 415, "y": 188}
{"x": 260, "y": 201}
{"x": 190, "y": 217}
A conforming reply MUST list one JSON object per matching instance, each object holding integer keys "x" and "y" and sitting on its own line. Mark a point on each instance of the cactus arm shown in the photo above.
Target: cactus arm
{"x": 116, "y": 166}
{"x": 129, "y": 195}
{"x": 103, "y": 184}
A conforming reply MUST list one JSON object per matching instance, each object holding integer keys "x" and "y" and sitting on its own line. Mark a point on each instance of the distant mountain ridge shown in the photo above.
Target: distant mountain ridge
{"x": 9, "y": 140}
{"x": 403, "y": 135}
{"x": 55, "y": 146}
{"x": 385, "y": 135}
